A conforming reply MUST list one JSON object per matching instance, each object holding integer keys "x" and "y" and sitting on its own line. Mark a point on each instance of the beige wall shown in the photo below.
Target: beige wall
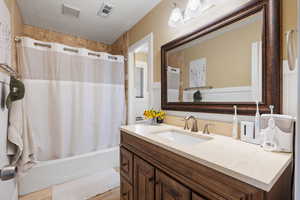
{"x": 143, "y": 57}
{"x": 228, "y": 57}
{"x": 156, "y": 21}
{"x": 289, "y": 20}
{"x": 120, "y": 46}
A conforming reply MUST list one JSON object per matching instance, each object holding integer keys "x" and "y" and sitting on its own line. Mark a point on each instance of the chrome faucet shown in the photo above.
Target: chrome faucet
{"x": 206, "y": 130}
{"x": 195, "y": 124}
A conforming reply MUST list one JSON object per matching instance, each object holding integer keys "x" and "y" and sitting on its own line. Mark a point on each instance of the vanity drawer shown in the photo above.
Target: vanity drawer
{"x": 168, "y": 188}
{"x": 126, "y": 164}
{"x": 126, "y": 190}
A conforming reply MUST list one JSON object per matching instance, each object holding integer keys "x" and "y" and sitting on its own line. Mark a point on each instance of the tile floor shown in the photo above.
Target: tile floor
{"x": 110, "y": 195}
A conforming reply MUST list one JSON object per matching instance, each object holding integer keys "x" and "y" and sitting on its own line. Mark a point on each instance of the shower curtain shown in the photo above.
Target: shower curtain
{"x": 75, "y": 98}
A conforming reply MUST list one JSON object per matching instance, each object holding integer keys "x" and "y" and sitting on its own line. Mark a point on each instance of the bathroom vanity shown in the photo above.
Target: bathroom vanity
{"x": 167, "y": 163}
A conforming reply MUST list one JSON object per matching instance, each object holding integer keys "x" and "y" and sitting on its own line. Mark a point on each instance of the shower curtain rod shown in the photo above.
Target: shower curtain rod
{"x": 18, "y": 39}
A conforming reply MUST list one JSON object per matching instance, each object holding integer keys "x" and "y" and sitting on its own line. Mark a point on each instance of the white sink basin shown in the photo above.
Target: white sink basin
{"x": 182, "y": 137}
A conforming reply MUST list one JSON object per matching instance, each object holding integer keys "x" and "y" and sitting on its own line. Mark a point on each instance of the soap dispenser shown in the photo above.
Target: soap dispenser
{"x": 235, "y": 124}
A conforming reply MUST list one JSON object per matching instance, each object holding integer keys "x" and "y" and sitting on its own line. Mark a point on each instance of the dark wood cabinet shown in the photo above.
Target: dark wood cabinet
{"x": 126, "y": 164}
{"x": 144, "y": 180}
{"x": 169, "y": 189}
{"x": 149, "y": 172}
{"x": 197, "y": 197}
{"x": 126, "y": 190}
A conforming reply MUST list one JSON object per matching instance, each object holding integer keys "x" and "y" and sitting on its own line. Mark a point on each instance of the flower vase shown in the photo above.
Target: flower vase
{"x": 154, "y": 122}
{"x": 159, "y": 120}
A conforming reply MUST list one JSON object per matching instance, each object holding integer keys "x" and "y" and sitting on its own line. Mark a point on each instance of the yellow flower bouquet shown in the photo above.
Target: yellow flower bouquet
{"x": 155, "y": 116}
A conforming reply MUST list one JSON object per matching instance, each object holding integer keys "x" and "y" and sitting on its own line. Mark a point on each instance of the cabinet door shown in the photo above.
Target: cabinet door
{"x": 197, "y": 197}
{"x": 126, "y": 164}
{"x": 169, "y": 189}
{"x": 126, "y": 192}
{"x": 143, "y": 180}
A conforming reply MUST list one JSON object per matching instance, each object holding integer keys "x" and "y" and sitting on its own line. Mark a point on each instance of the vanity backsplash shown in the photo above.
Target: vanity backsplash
{"x": 216, "y": 127}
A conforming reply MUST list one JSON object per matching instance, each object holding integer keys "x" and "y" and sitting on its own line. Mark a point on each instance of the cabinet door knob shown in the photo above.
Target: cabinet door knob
{"x": 151, "y": 179}
{"x": 124, "y": 164}
{"x": 174, "y": 193}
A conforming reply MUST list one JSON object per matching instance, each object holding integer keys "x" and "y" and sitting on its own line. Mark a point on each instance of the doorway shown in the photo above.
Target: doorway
{"x": 140, "y": 79}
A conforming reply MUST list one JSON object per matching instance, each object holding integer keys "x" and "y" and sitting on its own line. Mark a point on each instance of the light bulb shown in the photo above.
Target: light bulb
{"x": 193, "y": 9}
{"x": 193, "y": 5}
{"x": 205, "y": 4}
{"x": 176, "y": 17}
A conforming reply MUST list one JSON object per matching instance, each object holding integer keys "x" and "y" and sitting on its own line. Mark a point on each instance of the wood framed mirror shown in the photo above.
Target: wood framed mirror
{"x": 234, "y": 60}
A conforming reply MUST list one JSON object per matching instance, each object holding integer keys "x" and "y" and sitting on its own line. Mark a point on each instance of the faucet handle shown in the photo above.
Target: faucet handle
{"x": 206, "y": 130}
{"x": 186, "y": 124}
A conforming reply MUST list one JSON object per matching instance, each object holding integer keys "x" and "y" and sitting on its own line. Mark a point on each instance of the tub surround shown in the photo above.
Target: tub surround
{"x": 54, "y": 172}
{"x": 245, "y": 162}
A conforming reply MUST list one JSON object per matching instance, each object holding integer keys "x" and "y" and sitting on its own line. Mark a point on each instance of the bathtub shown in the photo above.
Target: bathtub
{"x": 48, "y": 173}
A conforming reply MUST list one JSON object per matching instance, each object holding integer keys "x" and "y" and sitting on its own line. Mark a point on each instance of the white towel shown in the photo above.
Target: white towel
{"x": 21, "y": 136}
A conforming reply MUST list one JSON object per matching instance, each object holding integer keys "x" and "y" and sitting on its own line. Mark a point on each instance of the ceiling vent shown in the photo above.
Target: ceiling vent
{"x": 105, "y": 9}
{"x": 70, "y": 11}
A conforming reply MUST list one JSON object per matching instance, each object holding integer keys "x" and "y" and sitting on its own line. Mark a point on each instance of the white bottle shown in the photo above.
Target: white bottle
{"x": 235, "y": 134}
{"x": 257, "y": 135}
{"x": 269, "y": 143}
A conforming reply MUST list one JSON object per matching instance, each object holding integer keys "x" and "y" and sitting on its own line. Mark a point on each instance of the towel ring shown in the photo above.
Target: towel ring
{"x": 291, "y": 49}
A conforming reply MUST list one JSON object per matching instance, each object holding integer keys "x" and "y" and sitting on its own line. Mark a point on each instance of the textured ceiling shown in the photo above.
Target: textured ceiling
{"x": 48, "y": 14}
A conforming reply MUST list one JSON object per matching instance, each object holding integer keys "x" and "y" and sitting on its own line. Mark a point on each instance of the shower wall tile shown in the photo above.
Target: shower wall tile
{"x": 120, "y": 47}
{"x": 52, "y": 36}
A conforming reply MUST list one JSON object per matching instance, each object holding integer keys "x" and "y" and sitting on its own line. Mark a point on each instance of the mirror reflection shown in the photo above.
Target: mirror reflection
{"x": 222, "y": 66}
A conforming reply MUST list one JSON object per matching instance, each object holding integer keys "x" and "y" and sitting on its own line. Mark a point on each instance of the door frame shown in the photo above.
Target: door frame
{"x": 297, "y": 137}
{"x": 148, "y": 39}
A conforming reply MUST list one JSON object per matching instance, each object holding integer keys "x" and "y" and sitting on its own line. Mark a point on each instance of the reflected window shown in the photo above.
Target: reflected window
{"x": 139, "y": 82}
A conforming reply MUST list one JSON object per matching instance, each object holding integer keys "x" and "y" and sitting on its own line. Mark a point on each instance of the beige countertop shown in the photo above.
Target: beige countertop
{"x": 248, "y": 163}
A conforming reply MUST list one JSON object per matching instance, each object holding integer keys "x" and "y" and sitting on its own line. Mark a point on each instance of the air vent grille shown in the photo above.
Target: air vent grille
{"x": 70, "y": 11}
{"x": 105, "y": 10}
